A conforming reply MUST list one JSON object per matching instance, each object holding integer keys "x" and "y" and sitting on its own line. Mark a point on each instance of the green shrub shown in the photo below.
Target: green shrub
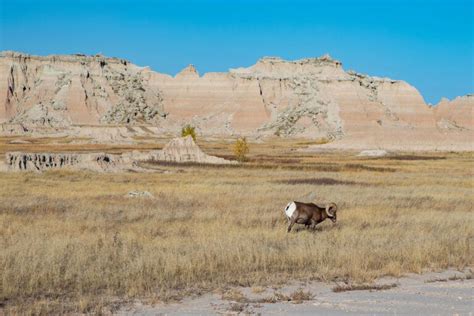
{"x": 188, "y": 130}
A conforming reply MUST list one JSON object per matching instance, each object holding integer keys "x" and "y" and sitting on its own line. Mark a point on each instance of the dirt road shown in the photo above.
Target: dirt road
{"x": 447, "y": 293}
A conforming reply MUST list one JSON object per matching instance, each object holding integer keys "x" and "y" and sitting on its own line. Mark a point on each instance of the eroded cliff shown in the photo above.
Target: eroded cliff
{"x": 311, "y": 98}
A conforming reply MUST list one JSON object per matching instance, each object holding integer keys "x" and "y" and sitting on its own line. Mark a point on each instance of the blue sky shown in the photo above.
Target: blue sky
{"x": 426, "y": 43}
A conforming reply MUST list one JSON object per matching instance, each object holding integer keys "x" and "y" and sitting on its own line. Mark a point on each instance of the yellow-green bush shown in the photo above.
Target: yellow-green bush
{"x": 241, "y": 149}
{"x": 188, "y": 130}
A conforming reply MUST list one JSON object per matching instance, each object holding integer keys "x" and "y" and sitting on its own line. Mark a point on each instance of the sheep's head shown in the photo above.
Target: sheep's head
{"x": 331, "y": 212}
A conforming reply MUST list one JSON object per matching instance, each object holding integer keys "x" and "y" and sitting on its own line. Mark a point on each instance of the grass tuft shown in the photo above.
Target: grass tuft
{"x": 300, "y": 295}
{"x": 363, "y": 287}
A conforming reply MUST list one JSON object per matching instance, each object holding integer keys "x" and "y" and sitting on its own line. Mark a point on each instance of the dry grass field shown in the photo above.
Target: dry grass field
{"x": 73, "y": 242}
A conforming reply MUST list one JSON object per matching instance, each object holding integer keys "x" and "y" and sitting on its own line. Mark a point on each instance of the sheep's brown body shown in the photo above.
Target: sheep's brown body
{"x": 309, "y": 214}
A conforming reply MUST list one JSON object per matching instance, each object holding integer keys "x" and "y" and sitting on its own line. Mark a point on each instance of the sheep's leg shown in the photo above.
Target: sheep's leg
{"x": 292, "y": 222}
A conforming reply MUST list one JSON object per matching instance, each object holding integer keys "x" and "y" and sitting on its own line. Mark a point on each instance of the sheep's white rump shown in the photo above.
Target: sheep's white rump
{"x": 290, "y": 209}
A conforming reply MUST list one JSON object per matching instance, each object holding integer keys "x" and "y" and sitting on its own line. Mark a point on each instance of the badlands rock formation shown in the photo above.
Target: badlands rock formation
{"x": 457, "y": 114}
{"x": 177, "y": 150}
{"x": 58, "y": 91}
{"x": 312, "y": 98}
{"x": 99, "y": 162}
{"x": 184, "y": 149}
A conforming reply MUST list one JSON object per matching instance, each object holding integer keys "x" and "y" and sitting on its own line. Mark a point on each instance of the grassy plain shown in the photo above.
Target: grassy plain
{"x": 72, "y": 242}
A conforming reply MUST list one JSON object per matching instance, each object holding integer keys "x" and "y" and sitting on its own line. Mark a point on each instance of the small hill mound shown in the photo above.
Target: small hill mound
{"x": 184, "y": 149}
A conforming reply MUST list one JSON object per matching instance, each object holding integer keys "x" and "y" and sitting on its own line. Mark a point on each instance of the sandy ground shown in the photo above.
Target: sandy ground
{"x": 427, "y": 294}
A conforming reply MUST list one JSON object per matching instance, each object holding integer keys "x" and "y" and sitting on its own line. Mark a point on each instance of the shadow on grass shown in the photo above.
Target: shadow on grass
{"x": 413, "y": 157}
{"x": 325, "y": 167}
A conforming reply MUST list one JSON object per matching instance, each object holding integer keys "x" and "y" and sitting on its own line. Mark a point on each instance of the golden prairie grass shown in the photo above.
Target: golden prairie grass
{"x": 66, "y": 144}
{"x": 72, "y": 241}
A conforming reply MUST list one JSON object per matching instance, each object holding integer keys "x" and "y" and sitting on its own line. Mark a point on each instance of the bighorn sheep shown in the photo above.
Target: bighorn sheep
{"x": 309, "y": 213}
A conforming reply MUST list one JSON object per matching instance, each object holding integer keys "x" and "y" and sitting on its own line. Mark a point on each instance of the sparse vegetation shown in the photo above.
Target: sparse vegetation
{"x": 238, "y": 307}
{"x": 258, "y": 289}
{"x": 188, "y": 130}
{"x": 72, "y": 242}
{"x": 280, "y": 297}
{"x": 234, "y": 295}
{"x": 454, "y": 277}
{"x": 301, "y": 295}
{"x": 362, "y": 287}
{"x": 241, "y": 149}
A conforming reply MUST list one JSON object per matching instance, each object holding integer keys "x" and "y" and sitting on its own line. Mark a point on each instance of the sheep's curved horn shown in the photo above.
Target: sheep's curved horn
{"x": 328, "y": 207}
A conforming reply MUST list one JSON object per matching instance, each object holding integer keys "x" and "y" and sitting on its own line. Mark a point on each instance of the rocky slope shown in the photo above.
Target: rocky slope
{"x": 311, "y": 98}
{"x": 58, "y": 91}
{"x": 455, "y": 115}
